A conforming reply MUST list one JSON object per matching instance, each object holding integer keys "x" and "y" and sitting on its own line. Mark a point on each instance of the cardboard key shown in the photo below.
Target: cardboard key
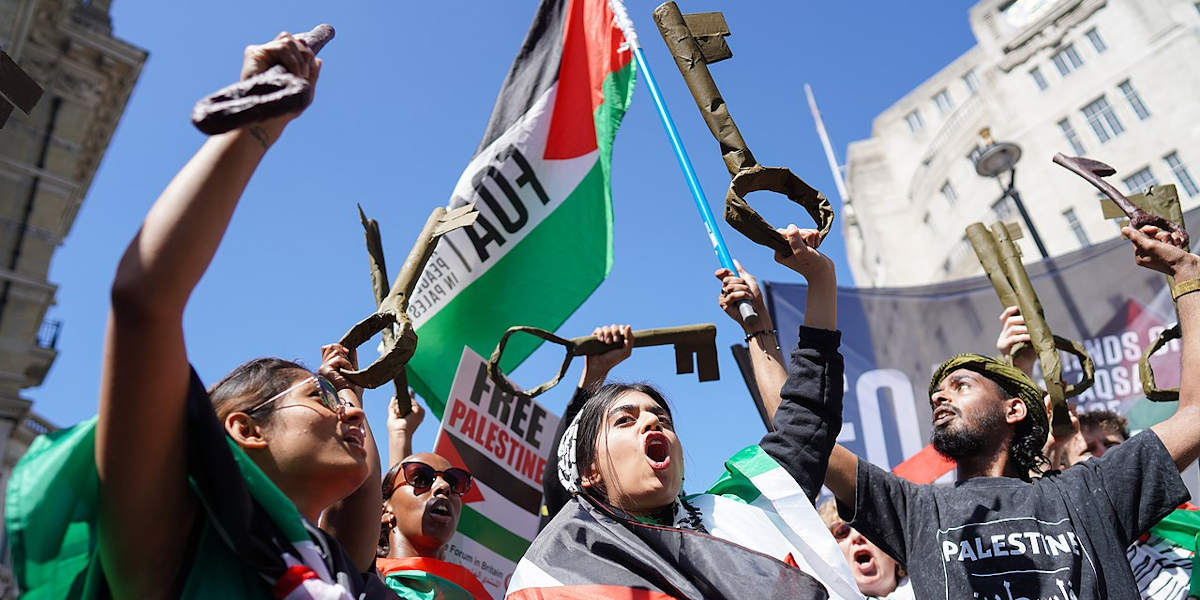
{"x": 697, "y": 40}
{"x": 1093, "y": 171}
{"x": 699, "y": 341}
{"x": 1001, "y": 260}
{"x": 269, "y": 94}
{"x": 391, "y": 318}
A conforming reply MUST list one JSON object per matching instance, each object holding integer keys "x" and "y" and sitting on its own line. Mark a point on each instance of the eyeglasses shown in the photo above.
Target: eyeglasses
{"x": 840, "y": 531}
{"x": 329, "y": 396}
{"x": 422, "y": 477}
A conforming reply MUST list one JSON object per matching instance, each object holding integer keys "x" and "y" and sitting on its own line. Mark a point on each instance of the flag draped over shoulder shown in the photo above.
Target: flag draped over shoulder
{"x": 764, "y": 540}
{"x": 540, "y": 179}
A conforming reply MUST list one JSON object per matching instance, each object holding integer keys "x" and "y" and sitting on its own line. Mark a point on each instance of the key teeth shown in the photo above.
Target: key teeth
{"x": 456, "y": 219}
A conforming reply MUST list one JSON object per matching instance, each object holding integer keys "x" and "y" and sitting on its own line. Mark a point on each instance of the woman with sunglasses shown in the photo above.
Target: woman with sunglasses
{"x": 628, "y": 531}
{"x": 212, "y": 494}
{"x": 422, "y": 502}
{"x": 878, "y": 575}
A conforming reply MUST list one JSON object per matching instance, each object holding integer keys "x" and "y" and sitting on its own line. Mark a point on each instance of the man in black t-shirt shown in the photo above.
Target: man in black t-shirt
{"x": 998, "y": 534}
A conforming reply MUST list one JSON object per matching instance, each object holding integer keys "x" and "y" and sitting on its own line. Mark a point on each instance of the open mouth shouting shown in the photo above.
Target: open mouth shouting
{"x": 864, "y": 562}
{"x": 356, "y": 439}
{"x": 942, "y": 416}
{"x": 440, "y": 510}
{"x": 658, "y": 450}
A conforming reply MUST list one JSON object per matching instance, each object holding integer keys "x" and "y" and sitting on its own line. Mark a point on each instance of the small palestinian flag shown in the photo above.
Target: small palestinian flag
{"x": 540, "y": 179}
{"x": 430, "y": 578}
{"x": 758, "y": 537}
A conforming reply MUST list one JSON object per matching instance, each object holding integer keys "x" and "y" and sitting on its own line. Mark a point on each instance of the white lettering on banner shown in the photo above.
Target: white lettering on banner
{"x": 866, "y": 391}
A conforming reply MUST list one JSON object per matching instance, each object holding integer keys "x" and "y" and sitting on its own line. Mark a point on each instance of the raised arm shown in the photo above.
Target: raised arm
{"x": 354, "y": 521}
{"x": 766, "y": 359}
{"x": 401, "y": 429}
{"x": 1156, "y": 249}
{"x": 1014, "y": 332}
{"x": 810, "y": 413}
{"x": 145, "y": 508}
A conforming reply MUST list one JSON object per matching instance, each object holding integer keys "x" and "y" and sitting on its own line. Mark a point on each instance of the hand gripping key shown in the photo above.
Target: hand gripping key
{"x": 696, "y": 40}
{"x": 690, "y": 340}
{"x": 1093, "y": 171}
{"x": 398, "y": 344}
{"x": 269, "y": 94}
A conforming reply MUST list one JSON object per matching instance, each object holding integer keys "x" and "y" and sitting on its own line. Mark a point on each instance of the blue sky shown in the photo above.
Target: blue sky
{"x": 402, "y": 103}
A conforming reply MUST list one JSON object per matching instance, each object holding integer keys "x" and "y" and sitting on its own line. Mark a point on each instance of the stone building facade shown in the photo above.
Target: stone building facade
{"x": 47, "y": 161}
{"x": 1113, "y": 80}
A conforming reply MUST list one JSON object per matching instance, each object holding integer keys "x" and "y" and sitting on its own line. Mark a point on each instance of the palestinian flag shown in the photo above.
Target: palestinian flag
{"x": 430, "y": 579}
{"x": 540, "y": 179}
{"x": 759, "y": 537}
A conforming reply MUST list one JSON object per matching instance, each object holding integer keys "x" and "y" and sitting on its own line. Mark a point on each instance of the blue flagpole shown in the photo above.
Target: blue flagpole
{"x": 689, "y": 174}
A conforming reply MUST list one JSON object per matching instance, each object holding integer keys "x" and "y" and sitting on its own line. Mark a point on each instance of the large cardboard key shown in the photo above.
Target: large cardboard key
{"x": 699, "y": 341}
{"x": 269, "y": 94}
{"x": 697, "y": 40}
{"x": 391, "y": 318}
{"x": 1001, "y": 260}
{"x": 1160, "y": 201}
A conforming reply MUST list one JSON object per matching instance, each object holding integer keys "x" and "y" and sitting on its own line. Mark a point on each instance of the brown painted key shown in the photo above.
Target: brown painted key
{"x": 699, "y": 341}
{"x": 1001, "y": 261}
{"x": 269, "y": 94}
{"x": 697, "y": 40}
{"x": 1093, "y": 171}
{"x": 391, "y": 319}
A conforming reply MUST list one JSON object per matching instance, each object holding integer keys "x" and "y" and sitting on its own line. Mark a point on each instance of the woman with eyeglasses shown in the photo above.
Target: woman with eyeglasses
{"x": 195, "y": 493}
{"x": 629, "y": 531}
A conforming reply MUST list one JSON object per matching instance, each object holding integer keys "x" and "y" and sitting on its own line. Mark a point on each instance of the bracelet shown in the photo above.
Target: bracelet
{"x": 1185, "y": 287}
{"x": 750, "y": 336}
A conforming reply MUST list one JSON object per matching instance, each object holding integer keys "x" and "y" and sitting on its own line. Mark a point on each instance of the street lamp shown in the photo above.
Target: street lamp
{"x": 993, "y": 160}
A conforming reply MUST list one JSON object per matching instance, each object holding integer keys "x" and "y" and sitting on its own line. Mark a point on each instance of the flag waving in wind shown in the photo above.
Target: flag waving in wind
{"x": 540, "y": 179}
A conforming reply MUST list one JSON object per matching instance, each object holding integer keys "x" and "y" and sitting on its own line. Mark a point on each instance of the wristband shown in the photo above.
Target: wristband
{"x": 1185, "y": 287}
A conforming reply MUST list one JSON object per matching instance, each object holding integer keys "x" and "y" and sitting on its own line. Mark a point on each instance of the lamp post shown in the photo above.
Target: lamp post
{"x": 994, "y": 160}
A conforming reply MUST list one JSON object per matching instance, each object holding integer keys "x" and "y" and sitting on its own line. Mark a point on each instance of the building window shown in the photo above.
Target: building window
{"x": 1093, "y": 36}
{"x": 1038, "y": 79}
{"x": 942, "y": 100}
{"x": 946, "y": 266}
{"x": 1066, "y": 60}
{"x": 972, "y": 81}
{"x": 1072, "y": 137}
{"x": 927, "y": 219}
{"x": 915, "y": 123}
{"x": 1076, "y": 227}
{"x": 1002, "y": 209}
{"x": 1100, "y": 116}
{"x": 949, "y": 194}
{"x": 1140, "y": 181}
{"x": 1179, "y": 170}
{"x": 1139, "y": 108}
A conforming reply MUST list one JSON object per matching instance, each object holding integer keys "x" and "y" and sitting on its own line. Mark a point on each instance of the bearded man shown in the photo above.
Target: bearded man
{"x": 997, "y": 533}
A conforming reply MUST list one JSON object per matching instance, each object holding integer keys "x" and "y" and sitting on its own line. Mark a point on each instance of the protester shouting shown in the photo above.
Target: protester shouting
{"x": 214, "y": 494}
{"x": 996, "y": 533}
{"x": 422, "y": 503}
{"x": 1161, "y": 560}
{"x": 627, "y": 529}
{"x": 878, "y": 575}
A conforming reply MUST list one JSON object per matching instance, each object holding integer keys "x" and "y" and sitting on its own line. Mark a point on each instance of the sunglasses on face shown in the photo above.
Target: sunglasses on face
{"x": 422, "y": 477}
{"x": 328, "y": 394}
{"x": 840, "y": 531}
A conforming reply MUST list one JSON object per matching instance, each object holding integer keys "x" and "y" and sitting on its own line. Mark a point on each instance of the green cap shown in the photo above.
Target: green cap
{"x": 1012, "y": 379}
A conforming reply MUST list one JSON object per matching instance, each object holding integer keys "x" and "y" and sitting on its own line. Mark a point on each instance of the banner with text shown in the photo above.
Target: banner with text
{"x": 893, "y": 338}
{"x": 504, "y": 441}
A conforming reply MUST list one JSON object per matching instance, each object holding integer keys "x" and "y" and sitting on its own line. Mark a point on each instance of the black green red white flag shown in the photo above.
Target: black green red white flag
{"x": 540, "y": 179}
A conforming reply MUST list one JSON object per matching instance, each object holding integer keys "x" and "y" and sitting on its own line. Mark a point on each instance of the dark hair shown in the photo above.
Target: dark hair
{"x": 1029, "y": 435}
{"x": 591, "y": 423}
{"x": 250, "y": 383}
{"x": 1105, "y": 420}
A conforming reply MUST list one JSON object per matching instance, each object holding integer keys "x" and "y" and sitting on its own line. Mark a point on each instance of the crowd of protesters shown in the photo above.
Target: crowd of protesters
{"x": 268, "y": 483}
